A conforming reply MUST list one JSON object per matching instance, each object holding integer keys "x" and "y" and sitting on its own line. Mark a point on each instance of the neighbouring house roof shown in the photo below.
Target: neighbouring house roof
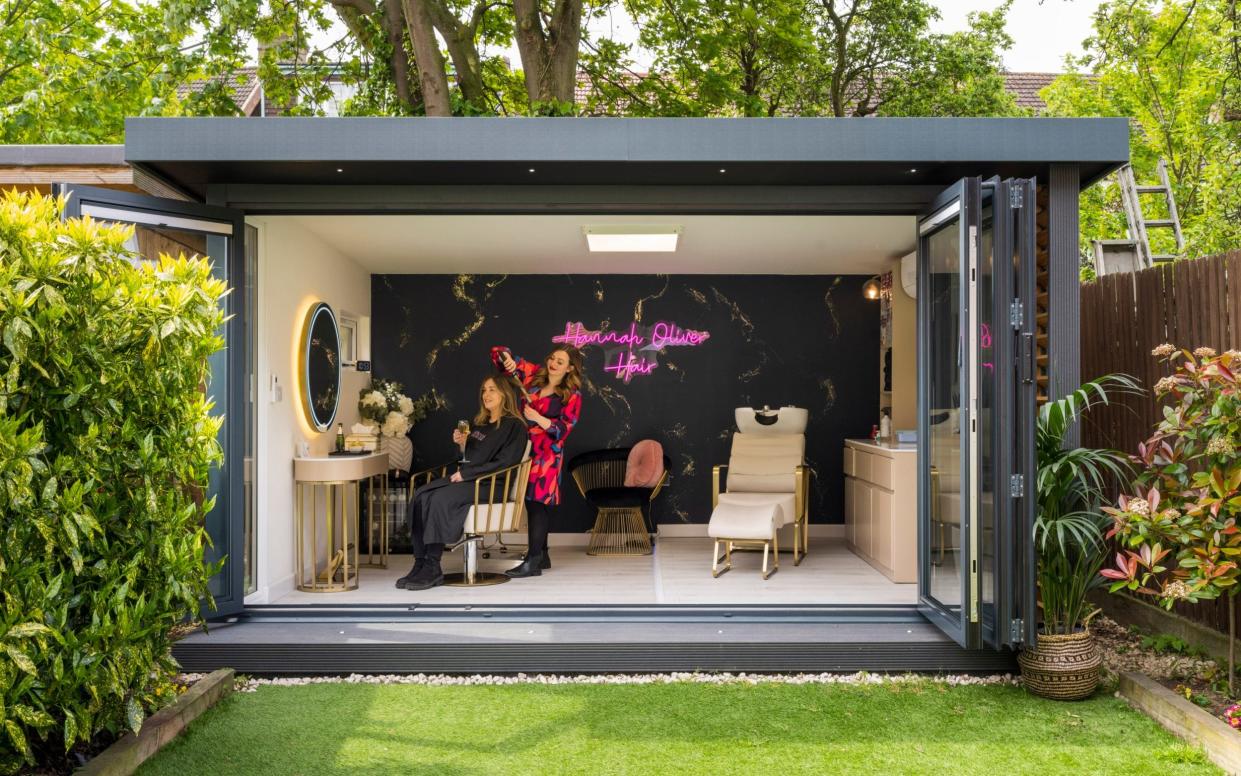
{"x": 243, "y": 86}
{"x": 1025, "y": 88}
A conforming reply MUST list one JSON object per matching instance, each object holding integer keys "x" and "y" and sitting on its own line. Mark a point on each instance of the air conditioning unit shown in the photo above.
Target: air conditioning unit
{"x": 909, "y": 274}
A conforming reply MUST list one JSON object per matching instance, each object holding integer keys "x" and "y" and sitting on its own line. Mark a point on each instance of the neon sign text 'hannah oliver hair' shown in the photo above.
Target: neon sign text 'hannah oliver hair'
{"x": 619, "y": 345}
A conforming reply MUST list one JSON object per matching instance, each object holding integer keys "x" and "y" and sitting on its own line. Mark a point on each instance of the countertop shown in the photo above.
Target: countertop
{"x": 884, "y": 445}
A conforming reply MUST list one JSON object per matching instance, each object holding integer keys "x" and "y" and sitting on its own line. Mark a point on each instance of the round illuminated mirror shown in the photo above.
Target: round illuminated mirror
{"x": 320, "y": 366}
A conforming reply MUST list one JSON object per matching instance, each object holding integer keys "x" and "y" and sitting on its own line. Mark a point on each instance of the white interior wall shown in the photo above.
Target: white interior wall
{"x": 296, "y": 270}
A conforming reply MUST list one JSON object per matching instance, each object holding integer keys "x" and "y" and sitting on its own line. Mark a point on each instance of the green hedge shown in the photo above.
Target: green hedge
{"x": 106, "y": 439}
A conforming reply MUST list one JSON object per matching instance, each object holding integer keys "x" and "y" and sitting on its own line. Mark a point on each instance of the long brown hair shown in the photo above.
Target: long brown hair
{"x": 572, "y": 381}
{"x": 508, "y": 400}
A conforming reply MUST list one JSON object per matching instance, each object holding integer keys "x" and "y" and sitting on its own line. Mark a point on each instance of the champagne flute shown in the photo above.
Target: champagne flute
{"x": 464, "y": 427}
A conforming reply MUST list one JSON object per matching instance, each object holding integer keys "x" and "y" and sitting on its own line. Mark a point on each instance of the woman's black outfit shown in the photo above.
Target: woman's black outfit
{"x": 437, "y": 510}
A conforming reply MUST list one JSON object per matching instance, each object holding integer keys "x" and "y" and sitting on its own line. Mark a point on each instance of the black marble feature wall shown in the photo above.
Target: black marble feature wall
{"x": 809, "y": 341}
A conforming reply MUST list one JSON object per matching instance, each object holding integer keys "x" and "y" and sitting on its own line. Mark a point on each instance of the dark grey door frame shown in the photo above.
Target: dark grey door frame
{"x": 231, "y": 494}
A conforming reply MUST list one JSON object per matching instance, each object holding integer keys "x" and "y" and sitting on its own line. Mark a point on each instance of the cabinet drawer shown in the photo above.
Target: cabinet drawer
{"x": 848, "y": 461}
{"x": 861, "y": 464}
{"x": 881, "y": 471}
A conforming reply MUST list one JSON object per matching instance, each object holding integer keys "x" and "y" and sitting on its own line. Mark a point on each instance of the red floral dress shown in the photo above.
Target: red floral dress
{"x": 546, "y": 445}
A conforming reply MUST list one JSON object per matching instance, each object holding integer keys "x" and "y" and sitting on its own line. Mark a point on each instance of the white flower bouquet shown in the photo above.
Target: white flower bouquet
{"x": 383, "y": 406}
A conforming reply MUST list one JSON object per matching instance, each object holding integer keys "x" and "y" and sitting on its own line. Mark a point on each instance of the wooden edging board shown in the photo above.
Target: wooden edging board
{"x": 1185, "y": 720}
{"x": 130, "y": 751}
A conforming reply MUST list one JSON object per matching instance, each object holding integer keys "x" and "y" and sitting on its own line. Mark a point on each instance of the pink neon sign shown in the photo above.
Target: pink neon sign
{"x": 620, "y": 345}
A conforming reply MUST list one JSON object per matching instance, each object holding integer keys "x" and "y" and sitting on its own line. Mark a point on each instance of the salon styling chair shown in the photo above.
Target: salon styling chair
{"x": 766, "y": 486}
{"x": 499, "y": 507}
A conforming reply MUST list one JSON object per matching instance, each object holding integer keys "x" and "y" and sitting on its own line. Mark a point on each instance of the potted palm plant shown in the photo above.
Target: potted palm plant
{"x": 1069, "y": 536}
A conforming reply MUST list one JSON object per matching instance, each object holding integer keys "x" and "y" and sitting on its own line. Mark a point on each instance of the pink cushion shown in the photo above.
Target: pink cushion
{"x": 645, "y": 465}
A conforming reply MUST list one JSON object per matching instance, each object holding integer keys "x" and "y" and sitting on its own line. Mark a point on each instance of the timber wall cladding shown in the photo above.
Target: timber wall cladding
{"x": 810, "y": 341}
{"x": 1190, "y": 303}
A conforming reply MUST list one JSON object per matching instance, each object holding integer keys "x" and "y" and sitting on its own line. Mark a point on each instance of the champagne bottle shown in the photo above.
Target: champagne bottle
{"x": 340, "y": 437}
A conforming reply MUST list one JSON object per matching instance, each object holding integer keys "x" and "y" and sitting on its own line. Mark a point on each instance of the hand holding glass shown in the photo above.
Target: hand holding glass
{"x": 464, "y": 427}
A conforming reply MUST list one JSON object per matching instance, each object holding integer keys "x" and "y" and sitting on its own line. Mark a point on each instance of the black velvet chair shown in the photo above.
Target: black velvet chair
{"x": 621, "y": 526}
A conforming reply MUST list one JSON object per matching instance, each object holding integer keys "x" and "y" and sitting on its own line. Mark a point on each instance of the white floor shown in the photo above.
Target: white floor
{"x": 679, "y": 572}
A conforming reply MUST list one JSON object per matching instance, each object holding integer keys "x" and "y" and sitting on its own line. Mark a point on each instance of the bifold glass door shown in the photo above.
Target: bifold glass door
{"x": 174, "y": 227}
{"x": 975, "y": 245}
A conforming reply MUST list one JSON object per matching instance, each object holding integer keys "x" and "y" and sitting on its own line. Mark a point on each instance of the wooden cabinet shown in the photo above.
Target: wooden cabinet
{"x": 881, "y": 507}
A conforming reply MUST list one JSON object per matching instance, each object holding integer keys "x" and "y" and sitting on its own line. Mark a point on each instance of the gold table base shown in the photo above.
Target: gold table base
{"x": 332, "y": 522}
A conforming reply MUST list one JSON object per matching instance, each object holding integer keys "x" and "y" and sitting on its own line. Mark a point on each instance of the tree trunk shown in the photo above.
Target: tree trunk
{"x": 431, "y": 74}
{"x": 549, "y": 57}
{"x": 462, "y": 48}
{"x": 394, "y": 28}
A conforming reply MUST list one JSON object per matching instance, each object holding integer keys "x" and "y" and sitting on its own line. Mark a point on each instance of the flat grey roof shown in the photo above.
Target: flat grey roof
{"x": 61, "y": 155}
{"x": 195, "y": 152}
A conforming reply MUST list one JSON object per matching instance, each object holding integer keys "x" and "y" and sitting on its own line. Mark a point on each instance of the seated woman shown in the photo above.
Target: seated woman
{"x": 437, "y": 510}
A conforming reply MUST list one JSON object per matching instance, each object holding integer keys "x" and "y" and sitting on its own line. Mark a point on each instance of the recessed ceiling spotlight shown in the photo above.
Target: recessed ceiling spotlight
{"x": 723, "y": 170}
{"x": 340, "y": 169}
{"x": 530, "y": 170}
{"x": 913, "y": 169}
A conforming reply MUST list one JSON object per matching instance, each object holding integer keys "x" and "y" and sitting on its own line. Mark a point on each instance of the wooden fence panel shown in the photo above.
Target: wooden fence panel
{"x": 1190, "y": 304}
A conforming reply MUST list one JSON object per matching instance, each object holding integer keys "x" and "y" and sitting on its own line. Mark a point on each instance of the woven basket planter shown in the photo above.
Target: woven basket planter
{"x": 1063, "y": 668}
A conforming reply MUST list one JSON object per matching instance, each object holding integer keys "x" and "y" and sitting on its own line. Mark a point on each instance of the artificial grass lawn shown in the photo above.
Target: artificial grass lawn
{"x": 670, "y": 728}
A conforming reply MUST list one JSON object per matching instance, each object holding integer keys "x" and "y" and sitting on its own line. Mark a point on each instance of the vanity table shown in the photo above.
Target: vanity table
{"x": 881, "y": 506}
{"x": 326, "y": 517}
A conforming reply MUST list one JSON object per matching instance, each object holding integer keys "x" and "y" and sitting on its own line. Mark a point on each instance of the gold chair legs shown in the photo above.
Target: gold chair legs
{"x": 801, "y": 540}
{"x": 619, "y": 531}
{"x": 771, "y": 545}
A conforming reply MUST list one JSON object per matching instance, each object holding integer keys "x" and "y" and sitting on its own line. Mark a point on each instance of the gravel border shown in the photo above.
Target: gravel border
{"x": 250, "y": 684}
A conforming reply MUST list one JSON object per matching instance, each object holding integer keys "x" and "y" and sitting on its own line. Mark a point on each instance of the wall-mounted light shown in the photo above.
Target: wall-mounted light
{"x": 870, "y": 289}
{"x": 632, "y": 238}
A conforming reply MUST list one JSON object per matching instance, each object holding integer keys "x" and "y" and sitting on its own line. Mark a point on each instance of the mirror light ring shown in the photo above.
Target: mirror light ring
{"x": 308, "y": 326}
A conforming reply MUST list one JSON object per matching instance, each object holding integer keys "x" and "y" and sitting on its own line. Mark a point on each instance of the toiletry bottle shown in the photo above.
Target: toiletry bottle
{"x": 885, "y": 427}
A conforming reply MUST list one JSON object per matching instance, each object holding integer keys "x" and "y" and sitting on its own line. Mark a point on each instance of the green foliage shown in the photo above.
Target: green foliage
{"x": 106, "y": 439}
{"x": 1174, "y": 68}
{"x": 802, "y": 58}
{"x": 1069, "y": 484}
{"x": 72, "y": 70}
{"x": 1188, "y": 494}
{"x": 1167, "y": 644}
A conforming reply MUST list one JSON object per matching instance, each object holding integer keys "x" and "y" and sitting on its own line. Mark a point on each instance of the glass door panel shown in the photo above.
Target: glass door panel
{"x": 948, "y": 247}
{"x": 174, "y": 227}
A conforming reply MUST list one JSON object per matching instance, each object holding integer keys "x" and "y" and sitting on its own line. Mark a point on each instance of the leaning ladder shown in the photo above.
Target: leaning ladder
{"x": 1130, "y": 193}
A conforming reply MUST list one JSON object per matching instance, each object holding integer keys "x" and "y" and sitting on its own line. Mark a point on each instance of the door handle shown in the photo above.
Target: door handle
{"x": 1027, "y": 358}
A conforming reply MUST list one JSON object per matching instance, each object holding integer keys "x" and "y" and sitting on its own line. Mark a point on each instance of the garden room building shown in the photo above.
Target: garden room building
{"x": 914, "y": 275}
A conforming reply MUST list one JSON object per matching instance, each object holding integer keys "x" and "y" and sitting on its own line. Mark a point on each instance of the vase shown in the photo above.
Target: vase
{"x": 1063, "y": 668}
{"x": 400, "y": 452}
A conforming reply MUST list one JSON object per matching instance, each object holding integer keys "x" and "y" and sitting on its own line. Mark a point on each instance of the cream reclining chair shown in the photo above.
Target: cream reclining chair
{"x": 499, "y": 507}
{"x": 766, "y": 486}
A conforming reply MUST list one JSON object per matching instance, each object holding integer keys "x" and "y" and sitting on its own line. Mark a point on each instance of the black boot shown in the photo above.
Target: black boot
{"x": 418, "y": 563}
{"x": 544, "y": 564}
{"x": 532, "y": 566}
{"x": 429, "y": 576}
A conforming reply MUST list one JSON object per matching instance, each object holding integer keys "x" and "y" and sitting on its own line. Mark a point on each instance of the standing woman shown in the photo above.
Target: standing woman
{"x": 553, "y": 404}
